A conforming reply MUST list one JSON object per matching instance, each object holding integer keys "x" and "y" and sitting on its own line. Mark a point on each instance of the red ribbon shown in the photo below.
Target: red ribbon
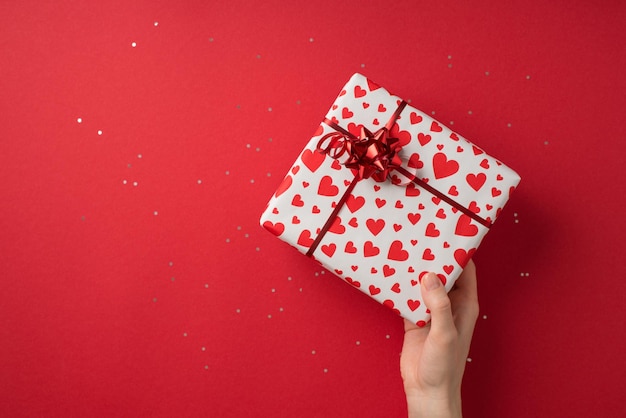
{"x": 372, "y": 155}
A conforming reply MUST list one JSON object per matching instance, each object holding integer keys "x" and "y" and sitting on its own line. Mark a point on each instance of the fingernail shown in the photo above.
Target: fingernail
{"x": 431, "y": 281}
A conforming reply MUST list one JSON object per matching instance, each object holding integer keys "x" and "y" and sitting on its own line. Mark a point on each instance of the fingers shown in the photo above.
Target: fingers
{"x": 442, "y": 326}
{"x": 464, "y": 300}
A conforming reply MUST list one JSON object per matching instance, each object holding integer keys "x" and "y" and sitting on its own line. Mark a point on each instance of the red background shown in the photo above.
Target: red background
{"x": 166, "y": 298}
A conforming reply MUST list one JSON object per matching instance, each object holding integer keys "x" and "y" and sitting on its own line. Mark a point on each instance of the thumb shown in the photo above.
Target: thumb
{"x": 437, "y": 301}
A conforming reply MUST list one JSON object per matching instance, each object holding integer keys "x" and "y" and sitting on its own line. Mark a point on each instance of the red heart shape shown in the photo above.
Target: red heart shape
{"x": 355, "y": 203}
{"x": 444, "y": 167}
{"x": 423, "y": 139}
{"x": 396, "y": 288}
{"x": 414, "y": 217}
{"x": 275, "y": 228}
{"x": 382, "y": 108}
{"x": 413, "y": 304}
{"x": 370, "y": 250}
{"x": 432, "y": 231}
{"x": 346, "y": 113}
{"x": 374, "y": 290}
{"x": 297, "y": 201}
{"x": 315, "y": 209}
{"x": 448, "y": 269}
{"x": 312, "y": 160}
{"x": 476, "y": 181}
{"x": 477, "y": 151}
{"x": 399, "y": 204}
{"x": 295, "y": 169}
{"x": 413, "y": 243}
{"x": 411, "y": 190}
{"x": 326, "y": 187}
{"x": 376, "y": 122}
{"x": 295, "y": 220}
{"x": 428, "y": 255}
{"x": 441, "y": 214}
{"x": 414, "y": 161}
{"x": 397, "y": 227}
{"x": 484, "y": 164}
{"x": 454, "y": 136}
{"x": 305, "y": 238}
{"x": 465, "y": 228}
{"x": 375, "y": 226}
{"x": 365, "y": 105}
{"x": 353, "y": 223}
{"x": 396, "y": 252}
{"x": 305, "y": 184}
{"x": 434, "y": 127}
{"x": 329, "y": 249}
{"x": 462, "y": 257}
{"x": 336, "y": 165}
{"x": 495, "y": 192}
{"x": 388, "y": 270}
{"x": 336, "y": 227}
{"x": 380, "y": 202}
{"x": 453, "y": 191}
{"x": 359, "y": 92}
{"x": 350, "y": 248}
{"x": 415, "y": 118}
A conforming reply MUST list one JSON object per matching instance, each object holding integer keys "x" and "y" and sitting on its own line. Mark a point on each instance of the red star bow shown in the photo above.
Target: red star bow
{"x": 370, "y": 154}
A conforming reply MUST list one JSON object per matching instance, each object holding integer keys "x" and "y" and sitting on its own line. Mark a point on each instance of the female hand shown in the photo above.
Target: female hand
{"x": 433, "y": 357}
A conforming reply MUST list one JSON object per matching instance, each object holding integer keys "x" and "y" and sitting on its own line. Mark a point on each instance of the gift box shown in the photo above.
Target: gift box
{"x": 383, "y": 194}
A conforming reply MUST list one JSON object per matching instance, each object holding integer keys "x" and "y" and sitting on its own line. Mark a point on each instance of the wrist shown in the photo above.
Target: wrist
{"x": 423, "y": 406}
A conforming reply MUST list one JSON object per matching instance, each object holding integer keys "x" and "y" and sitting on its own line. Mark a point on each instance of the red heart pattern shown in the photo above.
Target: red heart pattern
{"x": 388, "y": 234}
